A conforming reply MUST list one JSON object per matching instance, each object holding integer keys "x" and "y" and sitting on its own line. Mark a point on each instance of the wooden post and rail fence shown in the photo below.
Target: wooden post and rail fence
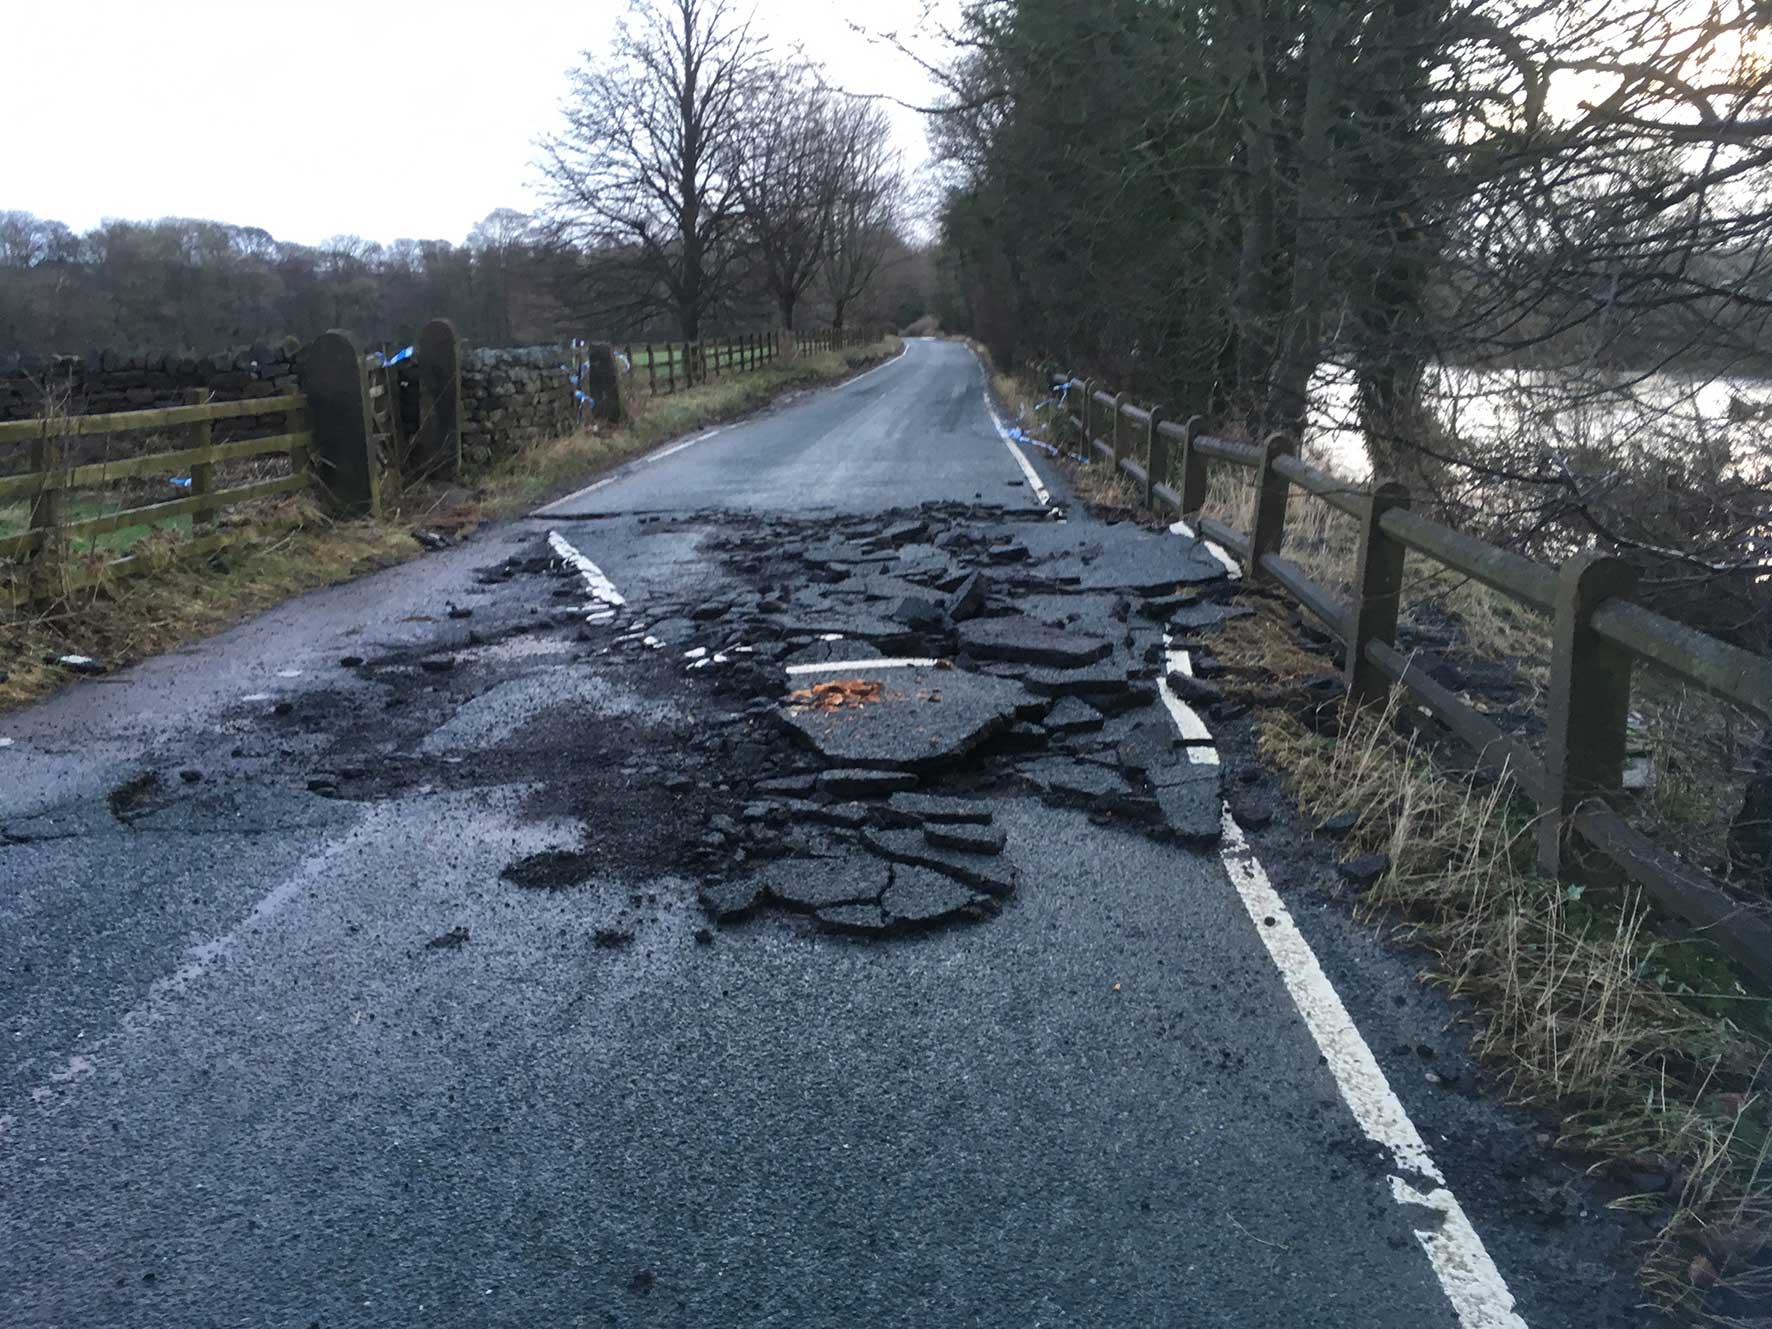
{"x": 337, "y": 436}
{"x": 1599, "y": 635}
{"x": 670, "y": 367}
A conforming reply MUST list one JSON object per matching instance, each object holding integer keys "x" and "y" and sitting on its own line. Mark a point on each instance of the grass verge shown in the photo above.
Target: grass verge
{"x": 1640, "y": 1041}
{"x": 1649, "y": 1053}
{"x": 280, "y": 549}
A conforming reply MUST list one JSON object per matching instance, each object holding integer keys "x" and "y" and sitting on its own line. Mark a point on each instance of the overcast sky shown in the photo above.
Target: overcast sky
{"x": 329, "y": 117}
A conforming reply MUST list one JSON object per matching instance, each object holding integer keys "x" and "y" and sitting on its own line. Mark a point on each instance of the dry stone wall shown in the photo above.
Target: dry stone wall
{"x": 514, "y": 399}
{"x": 110, "y": 381}
{"x": 511, "y": 399}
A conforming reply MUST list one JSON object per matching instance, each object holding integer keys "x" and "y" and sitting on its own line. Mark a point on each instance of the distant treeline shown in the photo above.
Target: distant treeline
{"x": 205, "y": 285}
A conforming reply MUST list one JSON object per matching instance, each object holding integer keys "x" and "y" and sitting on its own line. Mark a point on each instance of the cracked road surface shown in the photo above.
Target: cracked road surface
{"x": 769, "y": 890}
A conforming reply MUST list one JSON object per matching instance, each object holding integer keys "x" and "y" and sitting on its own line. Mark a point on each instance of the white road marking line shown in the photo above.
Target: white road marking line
{"x": 675, "y": 448}
{"x": 1468, "y": 1276}
{"x": 897, "y": 662}
{"x": 903, "y": 347}
{"x": 647, "y": 459}
{"x": 1187, "y": 720}
{"x": 602, "y": 590}
{"x": 1472, "y": 1283}
{"x": 1027, "y": 467}
{"x": 1217, "y": 550}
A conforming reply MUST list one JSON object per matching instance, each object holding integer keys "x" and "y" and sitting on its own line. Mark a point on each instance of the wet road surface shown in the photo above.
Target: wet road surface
{"x": 357, "y": 966}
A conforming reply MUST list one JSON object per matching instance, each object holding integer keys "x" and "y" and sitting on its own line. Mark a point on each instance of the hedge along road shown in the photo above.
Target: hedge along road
{"x": 356, "y": 966}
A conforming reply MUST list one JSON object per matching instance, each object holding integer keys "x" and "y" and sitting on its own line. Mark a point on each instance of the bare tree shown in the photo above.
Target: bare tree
{"x": 862, "y": 224}
{"x": 788, "y": 177}
{"x": 499, "y": 241}
{"x": 646, "y": 165}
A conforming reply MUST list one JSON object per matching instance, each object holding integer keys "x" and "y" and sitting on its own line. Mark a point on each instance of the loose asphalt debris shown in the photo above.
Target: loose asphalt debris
{"x": 1018, "y": 655}
{"x": 827, "y": 708}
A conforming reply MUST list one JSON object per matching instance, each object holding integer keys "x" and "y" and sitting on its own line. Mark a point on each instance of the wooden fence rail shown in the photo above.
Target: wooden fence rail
{"x": 672, "y": 366}
{"x": 40, "y": 569}
{"x": 341, "y": 433}
{"x": 1598, "y": 635}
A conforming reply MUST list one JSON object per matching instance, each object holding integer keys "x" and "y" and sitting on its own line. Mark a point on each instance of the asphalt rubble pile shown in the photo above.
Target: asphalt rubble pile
{"x": 1038, "y": 654}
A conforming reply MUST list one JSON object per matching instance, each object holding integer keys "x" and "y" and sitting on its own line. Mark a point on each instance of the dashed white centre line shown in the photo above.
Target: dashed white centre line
{"x": 1468, "y": 1276}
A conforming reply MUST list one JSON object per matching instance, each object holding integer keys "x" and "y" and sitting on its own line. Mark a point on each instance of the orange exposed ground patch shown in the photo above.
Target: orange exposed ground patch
{"x": 838, "y": 693}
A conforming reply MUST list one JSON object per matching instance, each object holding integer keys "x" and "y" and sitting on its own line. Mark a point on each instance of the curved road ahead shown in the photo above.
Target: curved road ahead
{"x": 287, "y": 1045}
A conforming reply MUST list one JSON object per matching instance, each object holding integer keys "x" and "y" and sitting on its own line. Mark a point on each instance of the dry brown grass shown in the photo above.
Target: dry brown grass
{"x": 280, "y": 549}
{"x": 1650, "y": 1052}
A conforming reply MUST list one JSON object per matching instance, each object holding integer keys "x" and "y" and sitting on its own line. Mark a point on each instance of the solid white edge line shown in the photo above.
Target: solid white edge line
{"x": 1473, "y": 1285}
{"x": 1027, "y": 467}
{"x": 600, "y": 587}
{"x": 1187, "y": 720}
{"x": 898, "y": 662}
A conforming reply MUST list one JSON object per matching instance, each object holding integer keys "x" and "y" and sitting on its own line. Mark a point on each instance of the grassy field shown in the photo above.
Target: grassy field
{"x": 280, "y": 548}
{"x": 16, "y": 517}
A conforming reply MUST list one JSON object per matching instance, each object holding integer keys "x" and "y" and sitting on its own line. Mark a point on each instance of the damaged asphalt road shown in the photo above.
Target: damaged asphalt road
{"x": 817, "y": 920}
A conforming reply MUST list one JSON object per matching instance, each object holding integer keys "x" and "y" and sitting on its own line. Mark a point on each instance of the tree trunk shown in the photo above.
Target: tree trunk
{"x": 1300, "y": 341}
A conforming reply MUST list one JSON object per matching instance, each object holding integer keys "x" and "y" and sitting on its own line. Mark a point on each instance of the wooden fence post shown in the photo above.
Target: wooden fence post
{"x": 1117, "y": 440}
{"x": 1268, "y": 531}
{"x": 1193, "y": 471}
{"x": 337, "y": 388}
{"x": 602, "y": 382}
{"x": 439, "y": 399}
{"x": 1088, "y": 422}
{"x": 1589, "y": 702}
{"x": 1378, "y": 594}
{"x": 49, "y": 511}
{"x": 651, "y": 372}
{"x": 202, "y": 472}
{"x": 1156, "y": 456}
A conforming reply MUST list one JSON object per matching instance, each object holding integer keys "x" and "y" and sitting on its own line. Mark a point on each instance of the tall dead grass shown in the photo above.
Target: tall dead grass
{"x": 1653, "y": 1057}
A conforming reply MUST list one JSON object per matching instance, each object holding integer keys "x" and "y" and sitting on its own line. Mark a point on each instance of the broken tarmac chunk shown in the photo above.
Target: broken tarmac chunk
{"x": 922, "y": 719}
{"x": 1072, "y": 716}
{"x": 727, "y": 900}
{"x": 1194, "y": 691}
{"x": 1151, "y": 743}
{"x": 968, "y": 598}
{"x": 918, "y": 895}
{"x": 830, "y": 652}
{"x": 1021, "y": 640}
{"x": 820, "y": 883}
{"x": 789, "y": 785}
{"x": 920, "y": 614}
{"x": 1083, "y": 784}
{"x": 966, "y": 839}
{"x": 850, "y": 816}
{"x": 905, "y": 846}
{"x": 848, "y": 784}
{"x": 934, "y": 808}
{"x": 1192, "y": 812}
{"x": 904, "y": 533}
{"x": 1206, "y": 614}
{"x": 866, "y": 919}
